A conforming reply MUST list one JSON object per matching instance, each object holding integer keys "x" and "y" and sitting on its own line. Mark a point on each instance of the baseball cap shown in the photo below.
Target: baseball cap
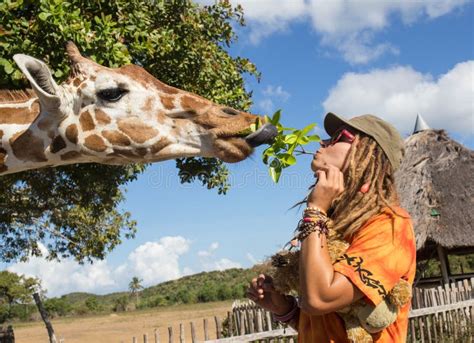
{"x": 385, "y": 134}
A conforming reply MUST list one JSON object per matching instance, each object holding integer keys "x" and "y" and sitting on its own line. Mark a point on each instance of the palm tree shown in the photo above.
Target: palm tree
{"x": 135, "y": 286}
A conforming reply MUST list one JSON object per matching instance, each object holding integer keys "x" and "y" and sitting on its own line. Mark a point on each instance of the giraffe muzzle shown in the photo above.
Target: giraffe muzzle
{"x": 265, "y": 135}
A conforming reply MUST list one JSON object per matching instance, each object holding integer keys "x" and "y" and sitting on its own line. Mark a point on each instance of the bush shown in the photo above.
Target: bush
{"x": 93, "y": 304}
{"x": 121, "y": 303}
{"x": 57, "y": 307}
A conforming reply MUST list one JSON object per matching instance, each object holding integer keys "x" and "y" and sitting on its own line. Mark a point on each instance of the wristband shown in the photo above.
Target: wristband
{"x": 288, "y": 317}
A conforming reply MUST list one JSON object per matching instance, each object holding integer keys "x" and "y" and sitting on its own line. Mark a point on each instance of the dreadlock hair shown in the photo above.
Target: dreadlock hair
{"x": 367, "y": 163}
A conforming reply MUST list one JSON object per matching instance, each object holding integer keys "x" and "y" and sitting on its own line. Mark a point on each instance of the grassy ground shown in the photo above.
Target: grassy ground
{"x": 122, "y": 327}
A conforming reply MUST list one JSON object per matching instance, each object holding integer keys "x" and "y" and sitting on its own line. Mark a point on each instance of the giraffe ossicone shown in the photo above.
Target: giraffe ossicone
{"x": 114, "y": 116}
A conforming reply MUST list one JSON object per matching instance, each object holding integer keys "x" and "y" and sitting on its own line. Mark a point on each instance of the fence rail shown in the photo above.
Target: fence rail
{"x": 437, "y": 313}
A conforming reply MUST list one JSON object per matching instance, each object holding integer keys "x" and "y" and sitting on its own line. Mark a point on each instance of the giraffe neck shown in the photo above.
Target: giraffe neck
{"x": 29, "y": 137}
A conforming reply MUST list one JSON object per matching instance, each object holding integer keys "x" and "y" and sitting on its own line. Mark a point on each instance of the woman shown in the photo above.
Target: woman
{"x": 356, "y": 190}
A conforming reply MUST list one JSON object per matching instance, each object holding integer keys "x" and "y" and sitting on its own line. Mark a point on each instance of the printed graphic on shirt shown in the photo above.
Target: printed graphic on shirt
{"x": 364, "y": 274}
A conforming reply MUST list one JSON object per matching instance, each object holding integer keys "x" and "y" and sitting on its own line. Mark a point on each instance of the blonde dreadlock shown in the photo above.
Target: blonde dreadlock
{"x": 367, "y": 163}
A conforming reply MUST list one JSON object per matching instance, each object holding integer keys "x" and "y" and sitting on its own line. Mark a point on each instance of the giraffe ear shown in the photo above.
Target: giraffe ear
{"x": 41, "y": 80}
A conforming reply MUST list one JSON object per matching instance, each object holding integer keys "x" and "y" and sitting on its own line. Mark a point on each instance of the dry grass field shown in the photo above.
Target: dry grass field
{"x": 121, "y": 327}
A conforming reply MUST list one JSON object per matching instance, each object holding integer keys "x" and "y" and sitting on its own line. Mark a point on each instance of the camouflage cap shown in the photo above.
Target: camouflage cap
{"x": 385, "y": 134}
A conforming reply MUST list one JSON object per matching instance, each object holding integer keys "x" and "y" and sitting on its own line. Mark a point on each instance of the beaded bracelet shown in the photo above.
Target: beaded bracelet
{"x": 288, "y": 317}
{"x": 317, "y": 210}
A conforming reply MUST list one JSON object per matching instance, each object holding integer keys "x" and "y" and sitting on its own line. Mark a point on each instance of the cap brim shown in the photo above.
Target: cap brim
{"x": 333, "y": 122}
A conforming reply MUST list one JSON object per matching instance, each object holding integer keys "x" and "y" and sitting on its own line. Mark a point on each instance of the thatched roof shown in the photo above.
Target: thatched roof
{"x": 436, "y": 185}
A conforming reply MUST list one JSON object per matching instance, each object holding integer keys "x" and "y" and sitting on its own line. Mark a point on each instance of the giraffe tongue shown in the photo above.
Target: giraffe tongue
{"x": 265, "y": 135}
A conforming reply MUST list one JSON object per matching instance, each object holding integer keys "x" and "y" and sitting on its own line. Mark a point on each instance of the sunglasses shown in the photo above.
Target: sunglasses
{"x": 342, "y": 135}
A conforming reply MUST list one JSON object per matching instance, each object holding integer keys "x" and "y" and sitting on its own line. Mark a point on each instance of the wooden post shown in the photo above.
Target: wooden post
{"x": 242, "y": 323}
{"x": 269, "y": 321}
{"x": 170, "y": 334}
{"x": 157, "y": 336}
{"x": 259, "y": 320}
{"x": 218, "y": 327}
{"x": 444, "y": 263}
{"x": 230, "y": 322}
{"x": 206, "y": 333}
{"x": 134, "y": 339}
{"x": 193, "y": 333}
{"x": 145, "y": 338}
{"x": 181, "y": 333}
{"x": 44, "y": 315}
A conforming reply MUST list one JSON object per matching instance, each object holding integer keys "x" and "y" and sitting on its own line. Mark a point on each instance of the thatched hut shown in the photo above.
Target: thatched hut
{"x": 436, "y": 184}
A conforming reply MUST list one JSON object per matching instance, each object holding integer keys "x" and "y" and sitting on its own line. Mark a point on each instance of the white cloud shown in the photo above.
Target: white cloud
{"x": 251, "y": 258}
{"x": 399, "y": 93}
{"x": 277, "y": 92}
{"x": 66, "y": 276}
{"x": 271, "y": 95}
{"x": 154, "y": 262}
{"x": 266, "y": 105}
{"x": 209, "y": 262}
{"x": 349, "y": 26}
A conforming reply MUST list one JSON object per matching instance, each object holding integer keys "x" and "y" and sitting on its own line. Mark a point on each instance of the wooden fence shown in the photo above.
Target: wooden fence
{"x": 440, "y": 314}
{"x": 7, "y": 335}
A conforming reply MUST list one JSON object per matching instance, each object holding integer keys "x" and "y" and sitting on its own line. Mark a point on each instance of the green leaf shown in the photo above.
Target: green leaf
{"x": 7, "y": 66}
{"x": 275, "y": 173}
{"x": 290, "y": 139}
{"x": 276, "y": 117}
{"x": 314, "y": 138}
{"x": 43, "y": 16}
{"x": 307, "y": 129}
{"x": 288, "y": 159}
{"x": 435, "y": 213}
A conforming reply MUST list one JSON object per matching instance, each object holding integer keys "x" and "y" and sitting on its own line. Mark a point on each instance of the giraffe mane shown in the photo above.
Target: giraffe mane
{"x": 11, "y": 96}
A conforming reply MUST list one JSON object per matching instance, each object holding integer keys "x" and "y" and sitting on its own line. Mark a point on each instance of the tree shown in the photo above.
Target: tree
{"x": 57, "y": 307}
{"x": 120, "y": 304}
{"x": 75, "y": 208}
{"x": 15, "y": 290}
{"x": 135, "y": 286}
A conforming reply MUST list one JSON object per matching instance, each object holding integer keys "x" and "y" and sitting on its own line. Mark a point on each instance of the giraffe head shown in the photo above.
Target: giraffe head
{"x": 123, "y": 115}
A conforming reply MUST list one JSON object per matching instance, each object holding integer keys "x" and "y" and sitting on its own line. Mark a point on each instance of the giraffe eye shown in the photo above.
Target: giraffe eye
{"x": 112, "y": 94}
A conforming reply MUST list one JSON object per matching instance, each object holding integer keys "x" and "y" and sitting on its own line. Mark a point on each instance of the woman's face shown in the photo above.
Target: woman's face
{"x": 334, "y": 153}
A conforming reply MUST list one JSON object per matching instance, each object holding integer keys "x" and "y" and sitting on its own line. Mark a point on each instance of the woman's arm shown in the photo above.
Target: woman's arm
{"x": 322, "y": 290}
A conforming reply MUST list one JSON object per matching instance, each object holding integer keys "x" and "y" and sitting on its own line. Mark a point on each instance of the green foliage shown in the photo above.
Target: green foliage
{"x": 57, "y": 307}
{"x": 93, "y": 304}
{"x": 281, "y": 154}
{"x": 121, "y": 303}
{"x": 15, "y": 290}
{"x": 74, "y": 209}
{"x": 211, "y": 172}
{"x": 461, "y": 264}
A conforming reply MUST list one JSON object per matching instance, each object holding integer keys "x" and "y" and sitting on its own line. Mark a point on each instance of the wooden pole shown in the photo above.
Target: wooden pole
{"x": 193, "y": 333}
{"x": 181, "y": 333}
{"x": 44, "y": 315}
{"x": 170, "y": 334}
{"x": 157, "y": 336}
{"x": 218, "y": 327}
{"x": 443, "y": 260}
{"x": 206, "y": 333}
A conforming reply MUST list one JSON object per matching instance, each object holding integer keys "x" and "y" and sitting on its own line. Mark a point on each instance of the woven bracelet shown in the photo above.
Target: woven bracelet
{"x": 288, "y": 317}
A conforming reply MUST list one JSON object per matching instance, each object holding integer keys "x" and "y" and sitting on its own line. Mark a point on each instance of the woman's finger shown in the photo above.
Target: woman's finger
{"x": 321, "y": 177}
{"x": 341, "y": 181}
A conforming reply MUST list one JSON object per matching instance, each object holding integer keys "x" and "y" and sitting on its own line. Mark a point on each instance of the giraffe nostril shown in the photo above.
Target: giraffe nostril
{"x": 230, "y": 111}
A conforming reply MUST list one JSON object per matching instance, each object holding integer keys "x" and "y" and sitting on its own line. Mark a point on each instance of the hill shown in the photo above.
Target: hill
{"x": 197, "y": 288}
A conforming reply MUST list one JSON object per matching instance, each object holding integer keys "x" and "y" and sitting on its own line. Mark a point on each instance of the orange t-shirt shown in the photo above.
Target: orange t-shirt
{"x": 380, "y": 253}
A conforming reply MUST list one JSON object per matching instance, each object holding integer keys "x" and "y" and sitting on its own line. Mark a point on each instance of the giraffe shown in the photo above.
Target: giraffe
{"x": 114, "y": 116}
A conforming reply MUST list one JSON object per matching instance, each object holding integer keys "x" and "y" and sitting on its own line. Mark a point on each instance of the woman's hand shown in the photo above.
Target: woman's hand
{"x": 263, "y": 293}
{"x": 330, "y": 185}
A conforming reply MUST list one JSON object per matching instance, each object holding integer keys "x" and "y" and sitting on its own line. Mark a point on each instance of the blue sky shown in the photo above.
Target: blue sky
{"x": 392, "y": 58}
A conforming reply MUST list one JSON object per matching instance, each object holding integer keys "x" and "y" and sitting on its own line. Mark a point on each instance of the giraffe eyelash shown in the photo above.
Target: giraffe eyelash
{"x": 112, "y": 94}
